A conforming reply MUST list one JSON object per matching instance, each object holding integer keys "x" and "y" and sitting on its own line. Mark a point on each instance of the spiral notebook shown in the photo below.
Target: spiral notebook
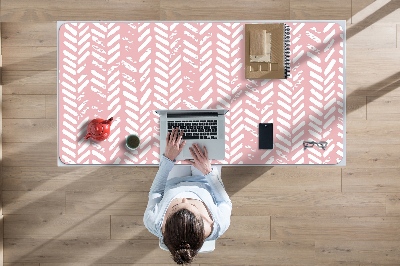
{"x": 267, "y": 51}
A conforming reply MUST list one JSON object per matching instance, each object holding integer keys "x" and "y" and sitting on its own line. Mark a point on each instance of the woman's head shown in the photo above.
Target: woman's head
{"x": 184, "y": 235}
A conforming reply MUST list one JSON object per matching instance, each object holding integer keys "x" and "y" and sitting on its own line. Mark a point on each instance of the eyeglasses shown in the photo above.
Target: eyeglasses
{"x": 309, "y": 144}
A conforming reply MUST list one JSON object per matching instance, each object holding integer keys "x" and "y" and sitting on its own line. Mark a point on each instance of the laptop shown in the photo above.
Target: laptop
{"x": 203, "y": 127}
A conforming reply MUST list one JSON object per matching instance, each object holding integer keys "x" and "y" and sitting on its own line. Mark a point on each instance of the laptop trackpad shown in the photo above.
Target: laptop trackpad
{"x": 211, "y": 145}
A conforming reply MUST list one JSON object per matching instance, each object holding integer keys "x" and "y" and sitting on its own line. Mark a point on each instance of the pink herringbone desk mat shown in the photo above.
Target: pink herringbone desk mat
{"x": 129, "y": 70}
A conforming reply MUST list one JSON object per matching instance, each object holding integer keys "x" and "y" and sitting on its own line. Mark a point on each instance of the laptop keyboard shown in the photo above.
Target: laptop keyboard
{"x": 196, "y": 129}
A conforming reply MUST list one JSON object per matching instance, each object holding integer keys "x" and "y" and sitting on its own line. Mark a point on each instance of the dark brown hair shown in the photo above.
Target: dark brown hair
{"x": 184, "y": 235}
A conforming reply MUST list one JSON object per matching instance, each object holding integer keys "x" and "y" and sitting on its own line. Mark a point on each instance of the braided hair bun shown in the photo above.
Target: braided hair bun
{"x": 184, "y": 254}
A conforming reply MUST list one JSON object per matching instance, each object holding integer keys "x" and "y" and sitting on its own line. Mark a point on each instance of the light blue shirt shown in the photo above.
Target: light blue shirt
{"x": 209, "y": 188}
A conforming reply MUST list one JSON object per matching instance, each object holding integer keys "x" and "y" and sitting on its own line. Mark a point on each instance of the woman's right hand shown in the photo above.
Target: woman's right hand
{"x": 200, "y": 159}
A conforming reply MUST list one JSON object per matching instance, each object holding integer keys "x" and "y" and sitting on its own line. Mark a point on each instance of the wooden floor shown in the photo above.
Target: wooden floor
{"x": 281, "y": 215}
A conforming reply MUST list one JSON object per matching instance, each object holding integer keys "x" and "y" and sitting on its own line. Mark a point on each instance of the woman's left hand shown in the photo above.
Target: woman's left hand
{"x": 174, "y": 145}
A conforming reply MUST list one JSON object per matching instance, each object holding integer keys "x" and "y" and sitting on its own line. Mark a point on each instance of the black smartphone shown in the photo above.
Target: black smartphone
{"x": 265, "y": 136}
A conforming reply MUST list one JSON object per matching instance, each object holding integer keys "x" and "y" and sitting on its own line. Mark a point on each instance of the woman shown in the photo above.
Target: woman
{"x": 186, "y": 209}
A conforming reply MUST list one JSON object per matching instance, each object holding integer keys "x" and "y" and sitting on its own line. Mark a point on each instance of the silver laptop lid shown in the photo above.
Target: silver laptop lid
{"x": 192, "y": 111}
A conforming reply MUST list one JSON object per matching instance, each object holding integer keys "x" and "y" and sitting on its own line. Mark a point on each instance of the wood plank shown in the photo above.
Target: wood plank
{"x": 26, "y": 33}
{"x": 107, "y": 203}
{"x": 24, "y": 106}
{"x": 356, "y": 108}
{"x": 239, "y": 252}
{"x": 51, "y": 106}
{"x": 30, "y": 59}
{"x": 344, "y": 263}
{"x": 373, "y": 132}
{"x": 379, "y": 180}
{"x": 57, "y": 179}
{"x": 139, "y": 179}
{"x": 129, "y": 227}
{"x": 360, "y": 36}
{"x": 309, "y": 204}
{"x": 17, "y": 51}
{"x": 147, "y": 251}
{"x": 369, "y": 264}
{"x": 29, "y": 82}
{"x": 313, "y": 261}
{"x": 30, "y": 154}
{"x": 30, "y": 89}
{"x": 46, "y": 178}
{"x": 1, "y": 238}
{"x": 15, "y": 130}
{"x": 287, "y": 179}
{"x": 371, "y": 12}
{"x": 88, "y": 251}
{"x": 393, "y": 204}
{"x": 371, "y": 17}
{"x": 383, "y": 108}
{"x": 21, "y": 264}
{"x": 372, "y": 72}
{"x": 324, "y": 9}
{"x": 33, "y": 202}
{"x": 224, "y": 10}
{"x": 362, "y": 155}
{"x": 1, "y": 155}
{"x": 113, "y": 264}
{"x": 45, "y": 10}
{"x": 53, "y": 226}
{"x": 358, "y": 6}
{"x": 364, "y": 252}
{"x": 335, "y": 228}
{"x": 0, "y": 35}
{"x": 249, "y": 227}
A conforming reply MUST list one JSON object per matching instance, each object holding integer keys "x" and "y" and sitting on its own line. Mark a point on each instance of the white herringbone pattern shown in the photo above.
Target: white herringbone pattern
{"x": 129, "y": 70}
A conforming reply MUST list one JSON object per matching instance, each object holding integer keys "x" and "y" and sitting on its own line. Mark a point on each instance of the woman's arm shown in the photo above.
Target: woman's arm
{"x": 222, "y": 199}
{"x": 173, "y": 148}
{"x": 156, "y": 194}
